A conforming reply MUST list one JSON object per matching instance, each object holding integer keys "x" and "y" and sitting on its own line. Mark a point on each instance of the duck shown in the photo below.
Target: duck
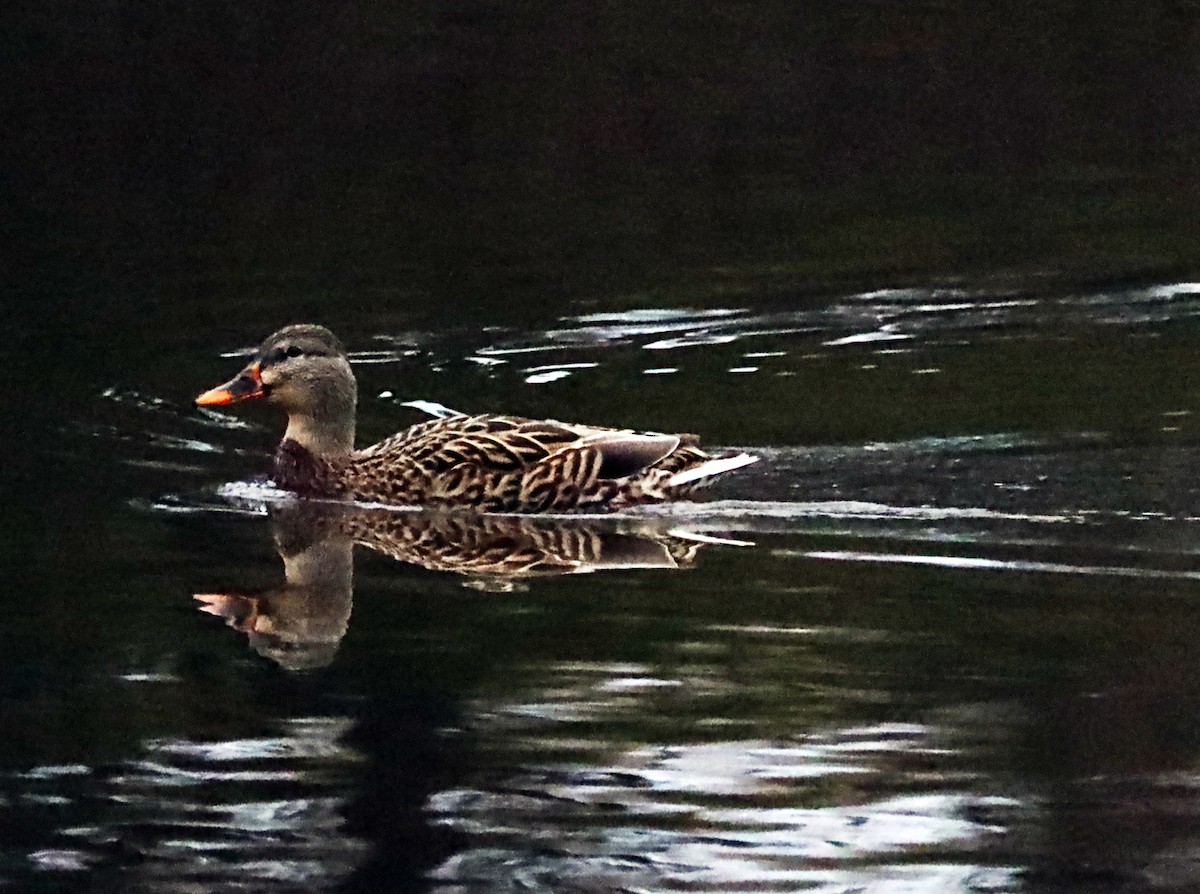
{"x": 488, "y": 462}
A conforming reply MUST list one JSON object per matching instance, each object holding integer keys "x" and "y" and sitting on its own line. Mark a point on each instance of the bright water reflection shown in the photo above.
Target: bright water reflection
{"x": 736, "y": 815}
{"x": 188, "y": 815}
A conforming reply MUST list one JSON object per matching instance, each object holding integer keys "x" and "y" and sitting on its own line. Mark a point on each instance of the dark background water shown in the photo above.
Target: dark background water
{"x": 933, "y": 261}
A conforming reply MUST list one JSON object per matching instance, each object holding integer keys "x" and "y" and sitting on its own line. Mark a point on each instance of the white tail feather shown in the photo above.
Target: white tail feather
{"x": 712, "y": 467}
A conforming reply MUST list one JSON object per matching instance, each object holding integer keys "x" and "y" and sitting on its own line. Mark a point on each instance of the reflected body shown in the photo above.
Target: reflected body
{"x": 498, "y": 463}
{"x": 300, "y": 623}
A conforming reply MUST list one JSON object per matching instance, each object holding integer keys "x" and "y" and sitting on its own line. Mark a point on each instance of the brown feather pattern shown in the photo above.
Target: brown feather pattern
{"x": 497, "y": 463}
{"x": 497, "y": 545}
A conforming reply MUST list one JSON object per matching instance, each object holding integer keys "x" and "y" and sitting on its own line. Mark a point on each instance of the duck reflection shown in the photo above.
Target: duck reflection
{"x": 300, "y": 623}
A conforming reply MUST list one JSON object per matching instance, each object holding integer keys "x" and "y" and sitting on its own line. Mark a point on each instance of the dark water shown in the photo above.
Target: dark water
{"x": 940, "y": 639}
{"x": 935, "y": 263}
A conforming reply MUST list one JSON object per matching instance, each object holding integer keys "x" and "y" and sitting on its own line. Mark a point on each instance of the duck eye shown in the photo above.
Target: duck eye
{"x": 294, "y": 351}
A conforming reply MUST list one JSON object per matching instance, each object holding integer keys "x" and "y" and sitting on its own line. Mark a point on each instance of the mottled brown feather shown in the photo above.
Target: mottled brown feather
{"x": 508, "y": 464}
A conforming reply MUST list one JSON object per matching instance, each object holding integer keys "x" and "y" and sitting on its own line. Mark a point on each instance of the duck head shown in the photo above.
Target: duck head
{"x": 304, "y": 370}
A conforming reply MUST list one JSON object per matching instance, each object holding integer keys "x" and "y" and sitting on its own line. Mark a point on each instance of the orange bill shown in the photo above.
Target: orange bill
{"x": 246, "y": 385}
{"x": 239, "y": 612}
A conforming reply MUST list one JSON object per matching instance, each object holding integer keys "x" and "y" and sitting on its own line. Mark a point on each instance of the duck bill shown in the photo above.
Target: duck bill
{"x": 238, "y": 612}
{"x": 246, "y": 385}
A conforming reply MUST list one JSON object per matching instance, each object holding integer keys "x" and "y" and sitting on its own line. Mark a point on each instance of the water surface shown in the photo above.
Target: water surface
{"x": 939, "y": 639}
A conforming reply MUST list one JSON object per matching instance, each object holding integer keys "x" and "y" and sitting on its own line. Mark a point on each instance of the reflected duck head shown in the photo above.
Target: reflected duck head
{"x": 303, "y": 369}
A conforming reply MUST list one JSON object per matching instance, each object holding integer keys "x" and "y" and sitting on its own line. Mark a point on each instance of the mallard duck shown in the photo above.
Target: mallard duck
{"x": 494, "y": 463}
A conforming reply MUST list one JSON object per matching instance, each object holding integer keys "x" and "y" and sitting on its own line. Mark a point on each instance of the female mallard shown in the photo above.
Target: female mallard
{"x": 496, "y": 463}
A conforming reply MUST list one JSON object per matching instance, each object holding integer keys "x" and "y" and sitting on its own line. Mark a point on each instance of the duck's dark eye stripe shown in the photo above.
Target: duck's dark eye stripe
{"x": 273, "y": 357}
{"x": 285, "y": 352}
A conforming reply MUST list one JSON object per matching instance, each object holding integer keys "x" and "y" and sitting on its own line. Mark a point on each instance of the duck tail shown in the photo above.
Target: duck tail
{"x": 710, "y": 469}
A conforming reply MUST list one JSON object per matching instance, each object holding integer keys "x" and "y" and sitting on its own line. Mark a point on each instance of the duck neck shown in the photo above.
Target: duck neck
{"x": 323, "y": 422}
{"x": 326, "y": 437}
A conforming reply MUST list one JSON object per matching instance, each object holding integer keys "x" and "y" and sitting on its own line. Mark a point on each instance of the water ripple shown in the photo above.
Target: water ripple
{"x": 733, "y": 815}
{"x": 239, "y": 814}
{"x": 913, "y": 315}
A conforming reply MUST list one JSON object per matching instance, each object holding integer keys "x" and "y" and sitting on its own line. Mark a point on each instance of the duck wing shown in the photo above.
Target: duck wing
{"x": 507, "y": 463}
{"x": 509, "y": 443}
